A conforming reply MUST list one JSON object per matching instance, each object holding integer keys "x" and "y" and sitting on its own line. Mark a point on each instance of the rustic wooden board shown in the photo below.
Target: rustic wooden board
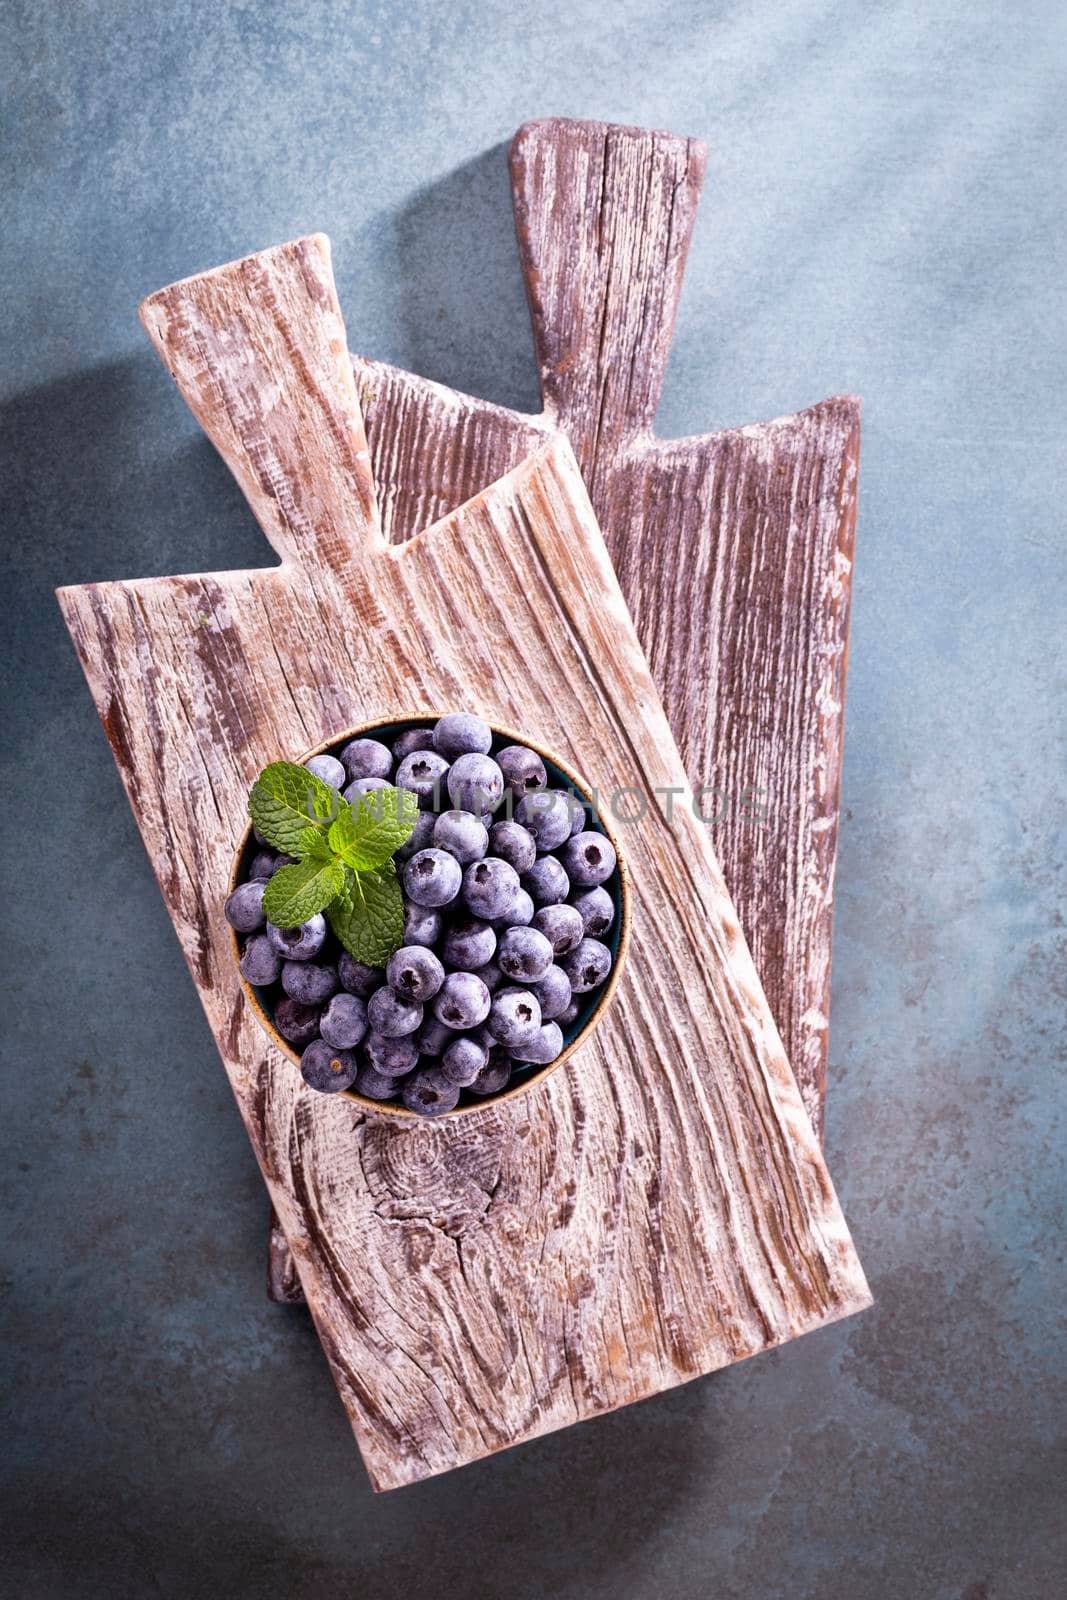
{"x": 661, "y": 1207}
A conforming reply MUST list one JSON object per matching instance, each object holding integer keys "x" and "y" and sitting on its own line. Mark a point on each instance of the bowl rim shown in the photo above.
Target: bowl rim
{"x": 386, "y": 1108}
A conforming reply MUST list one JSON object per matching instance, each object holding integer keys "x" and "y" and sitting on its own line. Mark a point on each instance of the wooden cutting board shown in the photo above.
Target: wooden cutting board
{"x": 734, "y": 550}
{"x": 660, "y": 1207}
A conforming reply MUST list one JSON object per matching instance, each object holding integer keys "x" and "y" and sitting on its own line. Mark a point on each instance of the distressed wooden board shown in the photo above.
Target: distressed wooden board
{"x": 661, "y": 1207}
{"x": 734, "y": 550}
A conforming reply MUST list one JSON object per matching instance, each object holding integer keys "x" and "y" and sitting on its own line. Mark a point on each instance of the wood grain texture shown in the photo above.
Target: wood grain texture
{"x": 661, "y": 1207}
{"x": 734, "y": 550}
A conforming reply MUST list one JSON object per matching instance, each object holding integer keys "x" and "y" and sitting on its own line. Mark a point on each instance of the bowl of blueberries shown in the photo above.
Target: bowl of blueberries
{"x": 473, "y": 914}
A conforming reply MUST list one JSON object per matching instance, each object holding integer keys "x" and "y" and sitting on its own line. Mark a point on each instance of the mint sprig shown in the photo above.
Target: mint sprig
{"x": 343, "y": 854}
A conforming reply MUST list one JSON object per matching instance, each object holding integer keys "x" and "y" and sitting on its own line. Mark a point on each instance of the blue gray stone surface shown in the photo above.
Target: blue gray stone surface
{"x": 883, "y": 212}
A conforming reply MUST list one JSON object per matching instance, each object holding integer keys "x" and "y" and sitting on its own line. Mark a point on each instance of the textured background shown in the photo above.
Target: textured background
{"x": 883, "y": 211}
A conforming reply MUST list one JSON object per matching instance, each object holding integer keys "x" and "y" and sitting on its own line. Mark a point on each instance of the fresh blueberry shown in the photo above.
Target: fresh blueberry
{"x": 329, "y": 769}
{"x": 421, "y": 925}
{"x": 261, "y": 964}
{"x": 463, "y": 1059}
{"x": 326, "y": 1069}
{"x": 295, "y": 1021}
{"x": 374, "y": 1085}
{"x": 468, "y": 944}
{"x": 514, "y": 1016}
{"x": 433, "y": 1037}
{"x": 547, "y": 813}
{"x": 519, "y": 914}
{"x": 358, "y": 978}
{"x": 367, "y": 758}
{"x": 244, "y": 907}
{"x": 411, "y": 739}
{"x": 414, "y": 973}
{"x": 463, "y": 1001}
{"x": 432, "y": 877}
{"x": 265, "y": 864}
{"x": 587, "y": 965}
{"x": 514, "y": 844}
{"x": 344, "y": 1021}
{"x": 302, "y": 943}
{"x": 567, "y": 1018}
{"x": 588, "y": 859}
{"x": 459, "y": 734}
{"x": 596, "y": 909}
{"x": 561, "y": 925}
{"x": 355, "y": 791}
{"x": 490, "y": 887}
{"x": 391, "y": 1015}
{"x": 546, "y": 882}
{"x": 391, "y": 1057}
{"x": 475, "y": 783}
{"x": 419, "y": 838}
{"x": 524, "y": 954}
{"x": 580, "y": 814}
{"x": 309, "y": 981}
{"x": 553, "y": 993}
{"x": 494, "y": 1076}
{"x": 544, "y": 1047}
{"x": 490, "y": 975}
{"x": 523, "y": 769}
{"x": 462, "y": 835}
{"x": 424, "y": 773}
{"x": 429, "y": 1094}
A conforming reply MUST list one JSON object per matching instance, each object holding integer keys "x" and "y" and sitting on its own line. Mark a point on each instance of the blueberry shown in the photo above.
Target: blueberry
{"x": 514, "y": 1017}
{"x": 490, "y": 887}
{"x": 462, "y": 835}
{"x": 490, "y": 975}
{"x": 326, "y": 1069}
{"x": 302, "y": 943}
{"x": 547, "y": 813}
{"x": 358, "y": 978}
{"x": 344, "y": 1021}
{"x": 475, "y": 783}
{"x": 514, "y": 844}
{"x": 419, "y": 838}
{"x": 588, "y": 859}
{"x": 553, "y": 993}
{"x": 433, "y": 1037}
{"x": 429, "y": 1094}
{"x": 424, "y": 773}
{"x": 391, "y": 1057}
{"x": 391, "y": 1015}
{"x": 375, "y": 1085}
{"x": 309, "y": 981}
{"x": 468, "y": 944}
{"x": 367, "y": 758}
{"x": 459, "y": 734}
{"x": 570, "y": 1015}
{"x": 265, "y": 864}
{"x": 596, "y": 909}
{"x": 587, "y": 965}
{"x": 410, "y": 740}
{"x": 414, "y": 973}
{"x": 523, "y": 769}
{"x": 561, "y": 925}
{"x": 544, "y": 1047}
{"x": 581, "y": 813}
{"x": 524, "y": 954}
{"x": 244, "y": 907}
{"x": 433, "y": 877}
{"x": 546, "y": 882}
{"x": 295, "y": 1021}
{"x": 494, "y": 1076}
{"x": 329, "y": 769}
{"x": 421, "y": 925}
{"x": 519, "y": 914}
{"x": 463, "y": 1001}
{"x": 355, "y": 791}
{"x": 464, "y": 1059}
{"x": 261, "y": 964}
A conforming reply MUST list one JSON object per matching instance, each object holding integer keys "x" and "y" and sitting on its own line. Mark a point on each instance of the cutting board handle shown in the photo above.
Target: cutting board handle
{"x": 258, "y": 351}
{"x": 604, "y": 216}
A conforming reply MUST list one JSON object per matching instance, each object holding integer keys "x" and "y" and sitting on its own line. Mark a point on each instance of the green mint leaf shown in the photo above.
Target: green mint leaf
{"x": 382, "y": 822}
{"x": 314, "y": 845}
{"x": 295, "y": 893}
{"x": 368, "y": 914}
{"x": 286, "y": 800}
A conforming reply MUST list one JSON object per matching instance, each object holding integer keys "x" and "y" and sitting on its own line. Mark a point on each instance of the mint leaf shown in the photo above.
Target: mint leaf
{"x": 295, "y": 893}
{"x": 368, "y": 914}
{"x": 286, "y": 800}
{"x": 382, "y": 822}
{"x": 314, "y": 845}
